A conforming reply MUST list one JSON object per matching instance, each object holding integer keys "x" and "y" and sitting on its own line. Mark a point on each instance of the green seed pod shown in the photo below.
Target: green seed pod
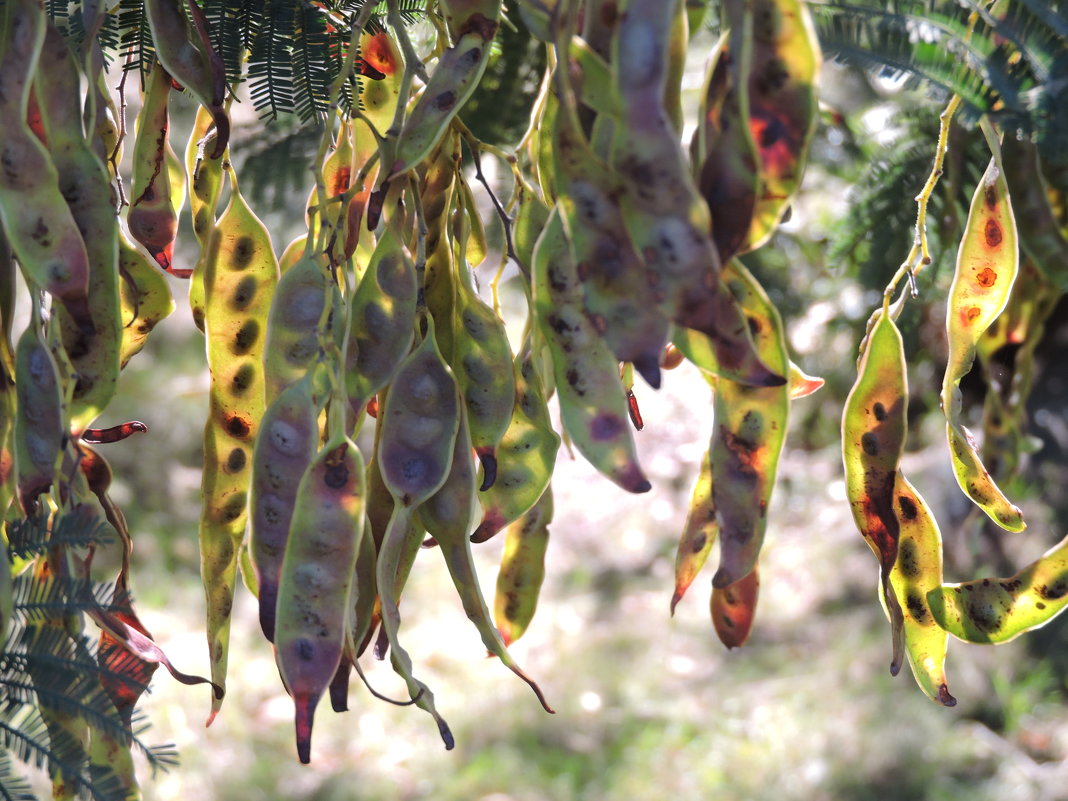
{"x": 593, "y": 407}
{"x": 987, "y": 264}
{"x": 748, "y": 437}
{"x": 313, "y": 593}
{"x": 379, "y": 96}
{"x": 184, "y": 49}
{"x": 40, "y": 424}
{"x": 239, "y": 280}
{"x": 447, "y": 516}
{"x": 616, "y": 284}
{"x": 152, "y": 219}
{"x": 482, "y": 364}
{"x": 526, "y": 455}
{"x": 293, "y": 334}
{"x": 873, "y": 439}
{"x": 439, "y": 277}
{"x": 419, "y": 423}
{"x": 381, "y": 321}
{"x": 916, "y": 573}
{"x": 698, "y": 535}
{"x": 38, "y": 223}
{"x": 285, "y": 446}
{"x": 666, "y": 216}
{"x": 522, "y": 569}
{"x": 144, "y": 295}
{"x": 84, "y": 183}
{"x": 455, "y": 78}
{"x": 992, "y": 610}
{"x": 204, "y": 174}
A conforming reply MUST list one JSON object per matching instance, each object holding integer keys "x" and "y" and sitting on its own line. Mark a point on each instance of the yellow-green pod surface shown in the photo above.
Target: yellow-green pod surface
{"x": 152, "y": 219}
{"x": 992, "y": 610}
{"x": 379, "y": 96}
{"x": 204, "y": 174}
{"x": 698, "y": 535}
{"x": 593, "y": 406}
{"x": 285, "y": 446}
{"x": 987, "y": 263}
{"x": 240, "y": 276}
{"x": 439, "y": 277}
{"x": 35, "y": 217}
{"x": 918, "y": 571}
{"x": 144, "y": 296}
{"x": 447, "y": 516}
{"x": 381, "y": 321}
{"x": 84, "y": 183}
{"x": 454, "y": 79}
{"x": 313, "y": 593}
{"x": 873, "y": 439}
{"x": 750, "y": 429}
{"x": 522, "y": 569}
{"x": 782, "y": 104}
{"x": 525, "y": 457}
{"x": 40, "y": 425}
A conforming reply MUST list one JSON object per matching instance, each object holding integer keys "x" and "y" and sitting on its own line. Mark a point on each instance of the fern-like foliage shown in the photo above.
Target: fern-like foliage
{"x": 1011, "y": 67}
{"x": 52, "y": 680}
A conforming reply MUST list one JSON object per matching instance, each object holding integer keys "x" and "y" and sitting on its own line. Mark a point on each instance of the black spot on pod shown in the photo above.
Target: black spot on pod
{"x": 237, "y": 426}
{"x": 243, "y": 379}
{"x": 235, "y": 462}
{"x": 870, "y": 444}
{"x": 908, "y": 507}
{"x": 489, "y": 468}
{"x": 244, "y": 250}
{"x": 336, "y": 476}
{"x": 992, "y": 233}
{"x": 879, "y": 411}
{"x": 244, "y": 293}
{"x": 245, "y": 338}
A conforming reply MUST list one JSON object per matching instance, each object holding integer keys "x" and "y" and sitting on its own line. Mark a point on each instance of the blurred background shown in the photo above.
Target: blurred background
{"x": 649, "y": 706}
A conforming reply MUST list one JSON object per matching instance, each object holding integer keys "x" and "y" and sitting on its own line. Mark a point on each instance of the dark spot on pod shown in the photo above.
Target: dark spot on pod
{"x": 414, "y": 469}
{"x": 870, "y": 443}
{"x": 699, "y": 542}
{"x": 305, "y": 649}
{"x": 575, "y": 380}
{"x": 235, "y": 462}
{"x": 992, "y": 232}
{"x": 986, "y": 278}
{"x": 489, "y": 467}
{"x": 244, "y": 250}
{"x": 237, "y": 426}
{"x": 234, "y": 507}
{"x": 336, "y": 475}
{"x": 1054, "y": 591}
{"x": 480, "y": 24}
{"x": 242, "y": 379}
{"x": 908, "y": 507}
{"x": 1011, "y": 586}
{"x": 983, "y": 617}
{"x": 916, "y": 607}
{"x": 245, "y": 338}
{"x": 445, "y": 101}
{"x": 944, "y": 697}
{"x": 990, "y": 195}
{"x": 879, "y": 411}
{"x": 606, "y": 426}
{"x": 1039, "y": 605}
{"x": 244, "y": 293}
{"x": 40, "y": 233}
{"x": 198, "y": 318}
{"x": 906, "y": 559}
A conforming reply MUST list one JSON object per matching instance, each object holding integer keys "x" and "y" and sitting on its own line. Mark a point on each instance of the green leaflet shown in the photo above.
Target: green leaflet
{"x": 873, "y": 439}
{"x": 240, "y": 275}
{"x": 992, "y": 610}
{"x": 750, "y": 429}
{"x": 593, "y": 407}
{"x": 84, "y": 183}
{"x": 522, "y": 569}
{"x": 526, "y": 456}
{"x": 917, "y": 572}
{"x": 447, "y": 516}
{"x": 987, "y": 263}
{"x": 698, "y": 535}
